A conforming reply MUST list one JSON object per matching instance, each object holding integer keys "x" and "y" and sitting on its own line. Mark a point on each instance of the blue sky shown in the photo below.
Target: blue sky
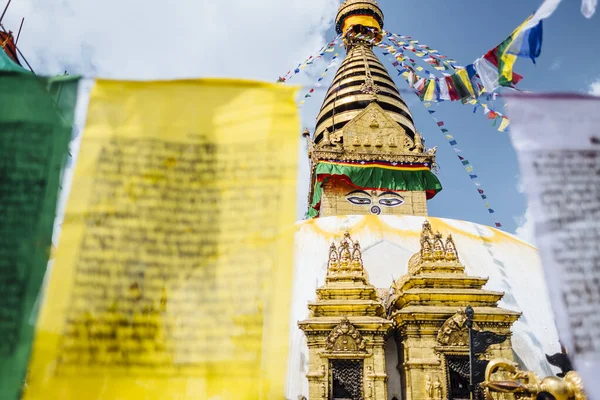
{"x": 465, "y": 30}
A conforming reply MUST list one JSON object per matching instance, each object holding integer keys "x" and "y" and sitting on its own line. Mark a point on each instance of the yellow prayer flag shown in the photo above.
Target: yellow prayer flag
{"x": 464, "y": 77}
{"x": 419, "y": 68}
{"x": 430, "y": 92}
{"x": 173, "y": 275}
{"x": 504, "y": 124}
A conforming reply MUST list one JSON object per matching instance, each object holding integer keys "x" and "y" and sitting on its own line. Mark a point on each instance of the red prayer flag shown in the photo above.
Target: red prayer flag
{"x": 451, "y": 89}
{"x": 441, "y": 123}
{"x": 480, "y": 191}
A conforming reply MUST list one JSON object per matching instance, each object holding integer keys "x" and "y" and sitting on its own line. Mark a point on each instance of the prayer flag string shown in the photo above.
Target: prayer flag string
{"x": 317, "y": 84}
{"x": 393, "y": 56}
{"x": 462, "y": 85}
{"x": 328, "y": 48}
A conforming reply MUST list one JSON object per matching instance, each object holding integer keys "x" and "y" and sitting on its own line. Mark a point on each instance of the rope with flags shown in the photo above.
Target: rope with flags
{"x": 393, "y": 57}
{"x": 328, "y": 48}
{"x": 317, "y": 84}
{"x": 462, "y": 85}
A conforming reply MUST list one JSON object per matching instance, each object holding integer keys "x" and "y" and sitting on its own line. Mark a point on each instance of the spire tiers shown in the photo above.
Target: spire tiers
{"x": 361, "y": 80}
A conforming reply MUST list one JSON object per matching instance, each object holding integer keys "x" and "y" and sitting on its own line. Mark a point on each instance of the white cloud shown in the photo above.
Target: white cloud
{"x": 154, "y": 39}
{"x": 526, "y": 229}
{"x": 556, "y": 64}
{"x": 595, "y": 88}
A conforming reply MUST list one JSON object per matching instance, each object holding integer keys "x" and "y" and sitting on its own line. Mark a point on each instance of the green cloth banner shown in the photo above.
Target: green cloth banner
{"x": 374, "y": 178}
{"x": 36, "y": 120}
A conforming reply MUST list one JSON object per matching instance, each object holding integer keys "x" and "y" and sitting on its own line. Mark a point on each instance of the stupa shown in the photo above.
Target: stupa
{"x": 381, "y": 288}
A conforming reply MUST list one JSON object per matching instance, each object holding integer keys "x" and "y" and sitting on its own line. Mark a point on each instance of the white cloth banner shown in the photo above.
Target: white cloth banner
{"x": 557, "y": 138}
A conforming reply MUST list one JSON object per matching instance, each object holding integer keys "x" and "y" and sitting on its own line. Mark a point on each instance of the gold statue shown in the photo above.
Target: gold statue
{"x": 419, "y": 146}
{"x": 527, "y": 385}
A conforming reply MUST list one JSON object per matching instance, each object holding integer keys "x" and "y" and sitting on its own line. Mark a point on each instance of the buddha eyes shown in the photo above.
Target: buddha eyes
{"x": 391, "y": 202}
{"x": 360, "y": 201}
{"x": 386, "y": 199}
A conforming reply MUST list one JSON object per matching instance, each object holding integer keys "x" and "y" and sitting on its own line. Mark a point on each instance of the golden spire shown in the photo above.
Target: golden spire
{"x": 362, "y": 78}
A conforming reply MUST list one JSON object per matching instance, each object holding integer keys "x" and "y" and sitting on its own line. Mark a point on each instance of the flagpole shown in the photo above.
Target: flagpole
{"x": 469, "y": 312}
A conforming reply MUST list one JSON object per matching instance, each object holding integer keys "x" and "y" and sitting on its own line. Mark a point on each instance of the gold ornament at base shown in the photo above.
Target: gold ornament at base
{"x": 527, "y": 385}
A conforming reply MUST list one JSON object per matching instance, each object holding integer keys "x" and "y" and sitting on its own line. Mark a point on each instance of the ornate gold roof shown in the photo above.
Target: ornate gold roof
{"x": 437, "y": 284}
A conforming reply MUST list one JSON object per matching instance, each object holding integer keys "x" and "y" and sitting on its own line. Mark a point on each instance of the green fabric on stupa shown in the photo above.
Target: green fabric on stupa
{"x": 374, "y": 178}
{"x": 8, "y": 65}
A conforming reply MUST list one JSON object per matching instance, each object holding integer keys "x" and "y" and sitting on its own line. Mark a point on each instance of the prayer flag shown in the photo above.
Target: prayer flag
{"x": 453, "y": 143}
{"x": 36, "y": 120}
{"x": 444, "y": 94}
{"x": 440, "y": 123}
{"x": 504, "y": 124}
{"x": 167, "y": 283}
{"x": 431, "y": 90}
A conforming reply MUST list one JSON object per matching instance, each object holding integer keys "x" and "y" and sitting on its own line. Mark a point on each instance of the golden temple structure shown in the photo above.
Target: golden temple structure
{"x": 423, "y": 313}
{"x": 367, "y": 158}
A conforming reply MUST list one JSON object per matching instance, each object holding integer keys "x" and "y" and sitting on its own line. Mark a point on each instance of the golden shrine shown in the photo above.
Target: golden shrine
{"x": 423, "y": 313}
{"x": 368, "y": 159}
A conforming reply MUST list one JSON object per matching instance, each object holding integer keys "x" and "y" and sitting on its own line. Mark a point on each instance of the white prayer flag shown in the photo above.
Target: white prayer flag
{"x": 557, "y": 138}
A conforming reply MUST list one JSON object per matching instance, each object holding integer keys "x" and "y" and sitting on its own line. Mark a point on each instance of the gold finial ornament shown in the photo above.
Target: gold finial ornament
{"x": 451, "y": 254}
{"x": 333, "y": 264}
{"x": 433, "y": 247}
{"x": 345, "y": 261}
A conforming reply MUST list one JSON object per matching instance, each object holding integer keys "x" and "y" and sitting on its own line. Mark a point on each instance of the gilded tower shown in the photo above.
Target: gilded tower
{"x": 366, "y": 155}
{"x": 368, "y": 158}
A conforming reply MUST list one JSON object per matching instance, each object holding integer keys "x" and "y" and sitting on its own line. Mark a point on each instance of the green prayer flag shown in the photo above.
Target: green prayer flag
{"x": 36, "y": 120}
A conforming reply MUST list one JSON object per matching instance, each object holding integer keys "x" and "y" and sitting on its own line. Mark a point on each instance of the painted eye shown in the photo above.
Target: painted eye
{"x": 393, "y": 202}
{"x": 361, "y": 201}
